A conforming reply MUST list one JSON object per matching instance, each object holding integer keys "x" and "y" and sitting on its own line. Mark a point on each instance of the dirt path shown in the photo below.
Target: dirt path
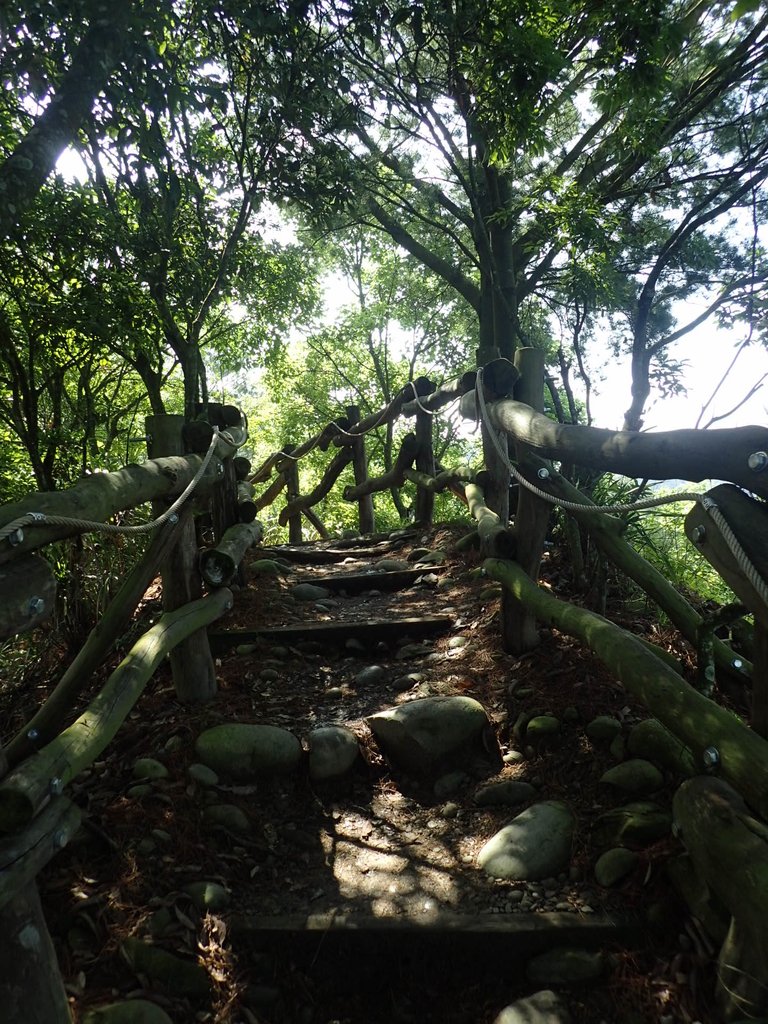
{"x": 362, "y": 901}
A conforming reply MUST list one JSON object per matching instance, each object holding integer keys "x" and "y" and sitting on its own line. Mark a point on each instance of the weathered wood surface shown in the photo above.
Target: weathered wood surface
{"x": 558, "y": 927}
{"x": 729, "y": 848}
{"x": 664, "y": 455}
{"x": 270, "y": 493}
{"x": 28, "y": 786}
{"x": 197, "y": 437}
{"x": 425, "y": 463}
{"x": 606, "y": 531}
{"x": 518, "y": 627}
{"x": 442, "y": 397}
{"x": 697, "y": 721}
{"x": 297, "y": 504}
{"x": 314, "y": 520}
{"x": 291, "y": 514}
{"x": 23, "y": 856}
{"x": 27, "y": 594}
{"x": 110, "y": 627}
{"x": 334, "y": 632}
{"x": 31, "y": 988}
{"x": 365, "y": 511}
{"x": 99, "y": 496}
{"x": 246, "y": 505}
{"x": 495, "y": 539}
{"x": 390, "y": 412}
{"x": 356, "y": 583}
{"x": 194, "y": 674}
{"x": 218, "y": 565}
{"x": 394, "y": 477}
{"x": 748, "y": 519}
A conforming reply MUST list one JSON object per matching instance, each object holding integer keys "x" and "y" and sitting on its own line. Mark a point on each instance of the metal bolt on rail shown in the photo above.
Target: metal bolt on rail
{"x": 737, "y": 663}
{"x": 711, "y": 758}
{"x": 758, "y": 461}
{"x": 32, "y": 735}
{"x": 16, "y": 537}
{"x": 59, "y": 839}
{"x": 543, "y": 473}
{"x": 55, "y": 786}
{"x": 36, "y": 606}
{"x": 698, "y": 534}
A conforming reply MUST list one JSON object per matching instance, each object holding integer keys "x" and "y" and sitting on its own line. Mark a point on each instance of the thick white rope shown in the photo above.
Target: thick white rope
{"x": 709, "y": 506}
{"x": 88, "y": 526}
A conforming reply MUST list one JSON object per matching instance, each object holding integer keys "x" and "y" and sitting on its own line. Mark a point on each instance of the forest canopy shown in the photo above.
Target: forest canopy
{"x": 476, "y": 175}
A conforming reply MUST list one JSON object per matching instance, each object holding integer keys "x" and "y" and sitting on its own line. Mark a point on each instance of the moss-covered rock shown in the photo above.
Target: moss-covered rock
{"x": 246, "y": 752}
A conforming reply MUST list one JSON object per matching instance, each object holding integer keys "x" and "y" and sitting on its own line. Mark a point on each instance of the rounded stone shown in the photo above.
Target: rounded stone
{"x": 149, "y": 768}
{"x": 536, "y": 844}
{"x": 370, "y": 674}
{"x": 651, "y": 740}
{"x": 134, "y": 1011}
{"x": 202, "y": 774}
{"x": 544, "y": 1007}
{"x": 208, "y": 895}
{"x": 226, "y": 816}
{"x": 613, "y": 865}
{"x": 506, "y": 792}
{"x": 308, "y": 592}
{"x": 542, "y": 727}
{"x": 565, "y": 965}
{"x": 333, "y": 752}
{"x": 637, "y": 777}
{"x": 245, "y": 752}
{"x": 421, "y": 735}
{"x": 603, "y": 729}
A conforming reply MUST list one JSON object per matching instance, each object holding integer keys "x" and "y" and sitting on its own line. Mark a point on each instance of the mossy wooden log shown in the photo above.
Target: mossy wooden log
{"x": 99, "y": 496}
{"x": 105, "y": 634}
{"x": 442, "y": 481}
{"x": 425, "y": 463}
{"x": 246, "y": 506}
{"x": 219, "y": 565}
{"x": 390, "y": 412}
{"x": 441, "y": 397}
{"x": 495, "y": 539}
{"x": 265, "y": 470}
{"x": 268, "y": 496}
{"x": 748, "y": 519}
{"x": 222, "y": 416}
{"x": 697, "y": 721}
{"x": 242, "y": 467}
{"x": 197, "y": 437}
{"x": 673, "y": 454}
{"x": 305, "y": 501}
{"x": 395, "y": 477}
{"x": 606, "y": 531}
{"x": 366, "y": 518}
{"x": 27, "y": 594}
{"x": 729, "y": 849}
{"x": 290, "y": 514}
{"x": 194, "y": 674}
{"x": 500, "y": 377}
{"x": 518, "y": 627}
{"x": 29, "y": 785}
{"x": 321, "y": 440}
{"x": 22, "y": 856}
{"x": 31, "y": 987}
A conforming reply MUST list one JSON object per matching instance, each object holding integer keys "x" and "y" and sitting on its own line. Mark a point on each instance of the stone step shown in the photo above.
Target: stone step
{"x": 367, "y": 631}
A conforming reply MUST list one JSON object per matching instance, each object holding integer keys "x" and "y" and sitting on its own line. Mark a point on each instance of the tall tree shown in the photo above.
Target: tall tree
{"x": 535, "y": 138}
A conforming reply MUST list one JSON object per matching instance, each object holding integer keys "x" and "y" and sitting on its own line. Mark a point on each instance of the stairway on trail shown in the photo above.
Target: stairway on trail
{"x": 436, "y": 830}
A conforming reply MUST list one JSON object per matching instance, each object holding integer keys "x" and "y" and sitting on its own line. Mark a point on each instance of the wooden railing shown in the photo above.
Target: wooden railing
{"x": 37, "y": 817}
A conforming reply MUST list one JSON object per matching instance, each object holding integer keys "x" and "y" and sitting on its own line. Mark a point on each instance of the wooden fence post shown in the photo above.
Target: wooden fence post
{"x": 497, "y": 483}
{"x": 291, "y": 474}
{"x": 519, "y": 632}
{"x": 365, "y": 511}
{"x": 194, "y": 674}
{"x": 31, "y": 987}
{"x": 425, "y": 463}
